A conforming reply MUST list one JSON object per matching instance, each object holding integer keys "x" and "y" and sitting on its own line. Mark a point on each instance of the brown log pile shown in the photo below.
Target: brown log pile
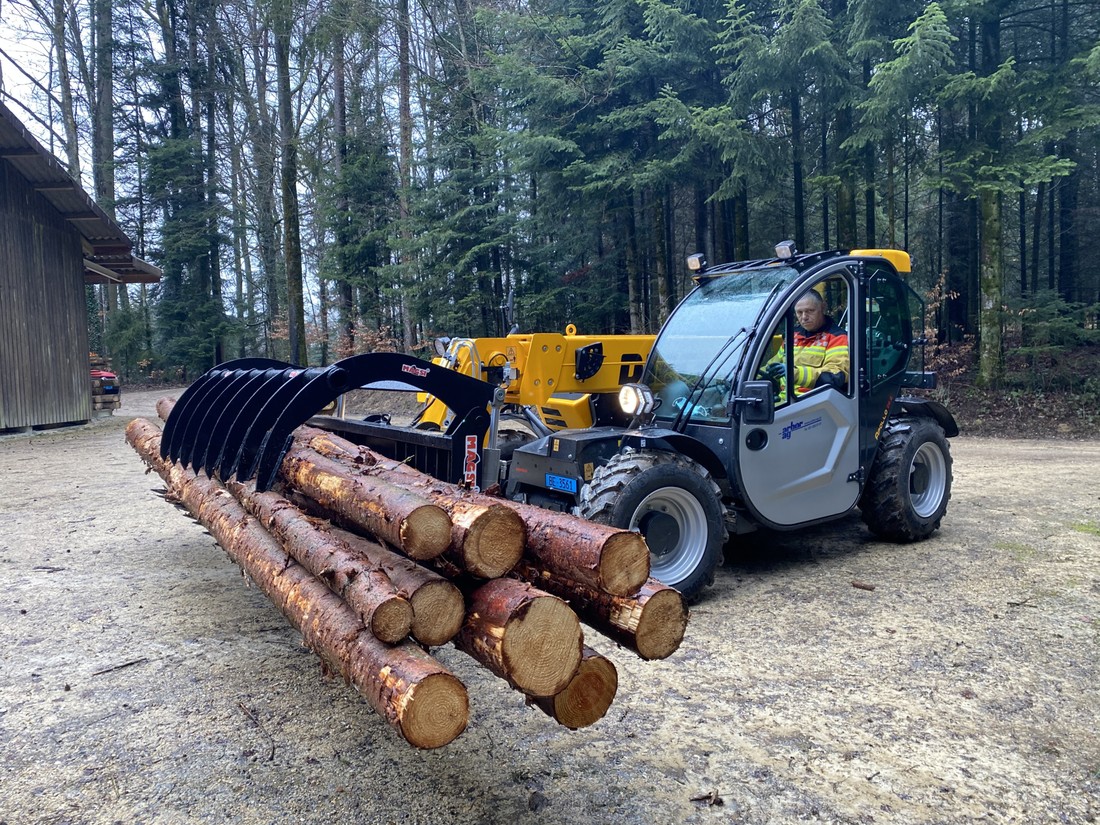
{"x": 428, "y": 705}
{"x": 375, "y": 562}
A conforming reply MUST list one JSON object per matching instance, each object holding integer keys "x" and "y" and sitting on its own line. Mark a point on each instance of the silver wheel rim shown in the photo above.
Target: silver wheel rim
{"x": 679, "y": 562}
{"x": 927, "y": 479}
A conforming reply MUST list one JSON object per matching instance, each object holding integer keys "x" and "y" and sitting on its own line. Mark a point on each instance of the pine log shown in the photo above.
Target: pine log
{"x": 588, "y": 695}
{"x": 164, "y": 407}
{"x": 529, "y": 638}
{"x": 487, "y": 538}
{"x": 605, "y": 558}
{"x": 422, "y": 530}
{"x": 416, "y": 695}
{"x": 651, "y": 622}
{"x": 437, "y": 604}
{"x": 366, "y": 588}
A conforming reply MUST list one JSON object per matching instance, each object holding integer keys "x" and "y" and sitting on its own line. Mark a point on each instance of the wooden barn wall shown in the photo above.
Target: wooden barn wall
{"x": 43, "y": 316}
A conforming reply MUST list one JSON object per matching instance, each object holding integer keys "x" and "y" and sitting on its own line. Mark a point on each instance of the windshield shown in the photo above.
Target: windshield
{"x": 704, "y": 339}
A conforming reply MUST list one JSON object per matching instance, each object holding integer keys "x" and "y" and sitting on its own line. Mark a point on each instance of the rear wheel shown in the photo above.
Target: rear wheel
{"x": 673, "y": 502}
{"x": 910, "y": 485}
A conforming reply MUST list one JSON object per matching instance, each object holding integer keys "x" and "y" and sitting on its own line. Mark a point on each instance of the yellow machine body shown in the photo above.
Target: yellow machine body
{"x": 560, "y": 377}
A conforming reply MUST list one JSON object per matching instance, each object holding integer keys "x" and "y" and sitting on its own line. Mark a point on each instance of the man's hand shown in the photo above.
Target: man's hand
{"x": 775, "y": 371}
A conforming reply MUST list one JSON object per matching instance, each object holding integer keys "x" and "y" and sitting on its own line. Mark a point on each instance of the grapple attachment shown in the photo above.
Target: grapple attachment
{"x": 237, "y": 418}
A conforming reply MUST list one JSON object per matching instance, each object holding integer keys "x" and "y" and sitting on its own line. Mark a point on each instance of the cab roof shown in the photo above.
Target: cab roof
{"x": 898, "y": 259}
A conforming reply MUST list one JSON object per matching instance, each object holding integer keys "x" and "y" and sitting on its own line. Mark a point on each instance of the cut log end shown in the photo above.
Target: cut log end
{"x": 624, "y": 565}
{"x": 436, "y": 711}
{"x": 542, "y": 647}
{"x": 588, "y": 695}
{"x": 392, "y": 620}
{"x": 494, "y": 543}
{"x": 426, "y": 533}
{"x": 662, "y": 624}
{"x": 438, "y": 611}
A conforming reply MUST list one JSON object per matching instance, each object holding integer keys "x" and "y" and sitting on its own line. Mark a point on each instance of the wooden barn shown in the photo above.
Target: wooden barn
{"x": 54, "y": 239}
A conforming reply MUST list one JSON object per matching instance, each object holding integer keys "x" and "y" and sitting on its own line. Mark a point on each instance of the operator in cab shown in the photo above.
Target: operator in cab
{"x": 820, "y": 350}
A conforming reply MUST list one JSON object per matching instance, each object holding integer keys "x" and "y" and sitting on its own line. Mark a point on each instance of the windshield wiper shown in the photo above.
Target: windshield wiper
{"x": 707, "y": 375}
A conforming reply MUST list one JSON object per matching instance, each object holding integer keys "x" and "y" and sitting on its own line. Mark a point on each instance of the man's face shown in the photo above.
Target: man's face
{"x": 810, "y": 314}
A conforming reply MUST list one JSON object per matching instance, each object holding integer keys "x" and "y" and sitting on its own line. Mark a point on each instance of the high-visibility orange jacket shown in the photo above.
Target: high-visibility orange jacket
{"x": 820, "y": 358}
{"x": 821, "y": 353}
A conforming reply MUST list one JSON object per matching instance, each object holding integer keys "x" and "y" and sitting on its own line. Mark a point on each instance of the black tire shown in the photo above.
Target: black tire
{"x": 673, "y": 502}
{"x": 910, "y": 485}
{"x": 508, "y": 440}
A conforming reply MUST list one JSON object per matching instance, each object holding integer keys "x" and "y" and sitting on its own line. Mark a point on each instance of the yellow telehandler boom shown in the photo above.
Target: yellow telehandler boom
{"x": 565, "y": 381}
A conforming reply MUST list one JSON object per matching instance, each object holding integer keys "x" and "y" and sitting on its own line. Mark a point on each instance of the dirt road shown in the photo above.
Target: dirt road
{"x": 143, "y": 680}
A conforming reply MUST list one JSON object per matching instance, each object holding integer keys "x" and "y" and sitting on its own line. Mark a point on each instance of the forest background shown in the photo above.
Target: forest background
{"x": 318, "y": 178}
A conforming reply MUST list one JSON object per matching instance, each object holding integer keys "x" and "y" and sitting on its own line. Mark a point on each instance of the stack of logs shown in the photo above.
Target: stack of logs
{"x": 106, "y": 395}
{"x": 375, "y": 562}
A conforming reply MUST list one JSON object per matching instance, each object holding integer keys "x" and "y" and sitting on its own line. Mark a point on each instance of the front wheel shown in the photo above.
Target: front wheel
{"x": 910, "y": 485}
{"x": 673, "y": 502}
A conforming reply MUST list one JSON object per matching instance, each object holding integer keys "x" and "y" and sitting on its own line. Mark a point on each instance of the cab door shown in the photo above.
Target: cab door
{"x": 804, "y": 466}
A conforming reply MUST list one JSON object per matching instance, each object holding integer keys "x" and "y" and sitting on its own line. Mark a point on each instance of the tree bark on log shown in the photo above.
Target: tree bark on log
{"x": 438, "y": 605}
{"x": 486, "y": 540}
{"x": 605, "y": 558}
{"x": 529, "y": 638}
{"x": 416, "y": 695}
{"x": 164, "y": 407}
{"x": 422, "y": 530}
{"x": 366, "y": 588}
{"x": 487, "y": 537}
{"x": 651, "y": 622}
{"x": 588, "y": 695}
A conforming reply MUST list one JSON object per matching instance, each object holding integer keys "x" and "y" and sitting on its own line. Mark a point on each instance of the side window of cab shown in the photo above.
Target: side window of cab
{"x": 889, "y": 327}
{"x": 808, "y": 347}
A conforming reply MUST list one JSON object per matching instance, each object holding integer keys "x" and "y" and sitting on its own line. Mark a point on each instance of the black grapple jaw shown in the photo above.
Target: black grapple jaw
{"x": 237, "y": 418}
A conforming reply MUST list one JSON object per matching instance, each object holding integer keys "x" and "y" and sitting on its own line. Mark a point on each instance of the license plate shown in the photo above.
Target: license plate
{"x": 563, "y": 483}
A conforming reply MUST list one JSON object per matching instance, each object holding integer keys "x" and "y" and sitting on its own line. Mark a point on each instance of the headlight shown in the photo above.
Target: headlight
{"x": 636, "y": 399}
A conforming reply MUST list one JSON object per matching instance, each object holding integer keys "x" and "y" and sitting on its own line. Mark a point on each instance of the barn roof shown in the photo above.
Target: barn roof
{"x": 108, "y": 255}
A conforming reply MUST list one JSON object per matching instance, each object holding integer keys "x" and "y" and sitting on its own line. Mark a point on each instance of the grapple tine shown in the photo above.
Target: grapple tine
{"x": 221, "y": 429}
{"x": 273, "y": 395}
{"x": 469, "y": 397}
{"x": 190, "y": 401}
{"x": 186, "y": 418}
{"x": 176, "y": 422}
{"x": 253, "y": 397}
{"x": 192, "y": 430}
{"x": 197, "y": 434}
{"x": 306, "y": 403}
{"x": 216, "y": 403}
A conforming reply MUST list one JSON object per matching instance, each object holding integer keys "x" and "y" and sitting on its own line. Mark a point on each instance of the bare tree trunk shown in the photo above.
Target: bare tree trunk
{"x": 991, "y": 355}
{"x": 665, "y": 292}
{"x": 991, "y": 278}
{"x": 1036, "y": 234}
{"x": 796, "y": 169}
{"x": 633, "y": 275}
{"x": 345, "y": 341}
{"x": 288, "y": 184}
{"x": 404, "y": 94}
{"x": 64, "y": 77}
{"x": 869, "y": 171}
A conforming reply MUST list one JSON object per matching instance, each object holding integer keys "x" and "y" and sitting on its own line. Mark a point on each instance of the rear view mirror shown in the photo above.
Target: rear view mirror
{"x": 756, "y": 403}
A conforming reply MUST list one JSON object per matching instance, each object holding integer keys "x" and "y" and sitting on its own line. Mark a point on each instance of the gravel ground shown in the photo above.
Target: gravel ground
{"x": 143, "y": 680}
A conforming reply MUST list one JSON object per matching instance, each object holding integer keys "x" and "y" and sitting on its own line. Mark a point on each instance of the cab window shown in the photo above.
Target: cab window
{"x": 889, "y": 327}
{"x": 808, "y": 347}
